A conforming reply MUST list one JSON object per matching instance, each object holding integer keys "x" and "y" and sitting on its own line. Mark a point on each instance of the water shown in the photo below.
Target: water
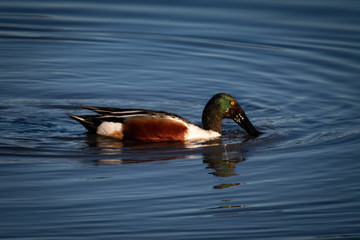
{"x": 293, "y": 66}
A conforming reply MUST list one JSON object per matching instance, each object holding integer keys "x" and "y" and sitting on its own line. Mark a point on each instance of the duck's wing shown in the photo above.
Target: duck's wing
{"x": 120, "y": 114}
{"x": 109, "y": 114}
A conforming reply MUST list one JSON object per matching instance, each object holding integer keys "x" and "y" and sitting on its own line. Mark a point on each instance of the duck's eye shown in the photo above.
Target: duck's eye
{"x": 232, "y": 103}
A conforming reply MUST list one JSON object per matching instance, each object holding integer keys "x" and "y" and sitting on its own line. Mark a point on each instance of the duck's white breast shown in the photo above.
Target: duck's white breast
{"x": 195, "y": 132}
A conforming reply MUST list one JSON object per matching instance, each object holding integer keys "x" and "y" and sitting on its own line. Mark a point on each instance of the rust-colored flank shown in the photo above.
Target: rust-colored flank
{"x": 118, "y": 135}
{"x": 151, "y": 129}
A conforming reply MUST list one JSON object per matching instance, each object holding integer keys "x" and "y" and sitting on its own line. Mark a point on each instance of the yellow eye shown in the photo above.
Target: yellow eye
{"x": 232, "y": 103}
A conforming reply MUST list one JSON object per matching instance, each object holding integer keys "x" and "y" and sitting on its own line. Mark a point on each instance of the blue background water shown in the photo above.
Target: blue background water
{"x": 294, "y": 66}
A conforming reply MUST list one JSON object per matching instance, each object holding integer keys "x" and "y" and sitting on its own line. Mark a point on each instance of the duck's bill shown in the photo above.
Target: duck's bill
{"x": 245, "y": 123}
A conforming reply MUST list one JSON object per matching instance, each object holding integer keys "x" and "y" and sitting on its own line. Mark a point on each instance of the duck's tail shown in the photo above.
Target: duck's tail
{"x": 91, "y": 123}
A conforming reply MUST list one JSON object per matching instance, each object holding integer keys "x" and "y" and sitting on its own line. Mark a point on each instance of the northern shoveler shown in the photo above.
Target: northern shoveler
{"x": 156, "y": 126}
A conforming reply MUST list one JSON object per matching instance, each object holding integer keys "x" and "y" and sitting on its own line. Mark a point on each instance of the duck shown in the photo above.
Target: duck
{"x": 158, "y": 126}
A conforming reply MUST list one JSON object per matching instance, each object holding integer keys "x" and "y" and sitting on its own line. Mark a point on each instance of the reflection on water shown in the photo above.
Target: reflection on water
{"x": 222, "y": 158}
{"x": 227, "y": 185}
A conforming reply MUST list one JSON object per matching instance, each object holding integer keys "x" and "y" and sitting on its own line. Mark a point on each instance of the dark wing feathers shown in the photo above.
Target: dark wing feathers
{"x": 120, "y": 114}
{"x": 91, "y": 122}
{"x": 116, "y": 111}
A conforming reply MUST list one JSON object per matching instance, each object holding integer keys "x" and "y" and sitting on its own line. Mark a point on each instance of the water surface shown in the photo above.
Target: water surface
{"x": 293, "y": 66}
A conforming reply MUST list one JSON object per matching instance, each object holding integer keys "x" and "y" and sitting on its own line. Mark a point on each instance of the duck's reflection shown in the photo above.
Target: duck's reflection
{"x": 113, "y": 152}
{"x": 220, "y": 157}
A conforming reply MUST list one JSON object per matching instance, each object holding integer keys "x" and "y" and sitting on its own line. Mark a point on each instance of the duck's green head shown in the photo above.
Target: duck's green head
{"x": 223, "y": 105}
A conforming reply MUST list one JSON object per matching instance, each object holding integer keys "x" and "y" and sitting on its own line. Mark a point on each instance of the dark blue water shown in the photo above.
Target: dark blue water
{"x": 294, "y": 66}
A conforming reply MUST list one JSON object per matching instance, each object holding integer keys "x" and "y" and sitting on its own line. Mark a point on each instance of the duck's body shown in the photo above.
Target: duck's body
{"x": 142, "y": 125}
{"x": 155, "y": 126}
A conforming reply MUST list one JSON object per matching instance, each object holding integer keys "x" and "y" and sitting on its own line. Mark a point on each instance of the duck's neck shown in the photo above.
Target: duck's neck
{"x": 212, "y": 120}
